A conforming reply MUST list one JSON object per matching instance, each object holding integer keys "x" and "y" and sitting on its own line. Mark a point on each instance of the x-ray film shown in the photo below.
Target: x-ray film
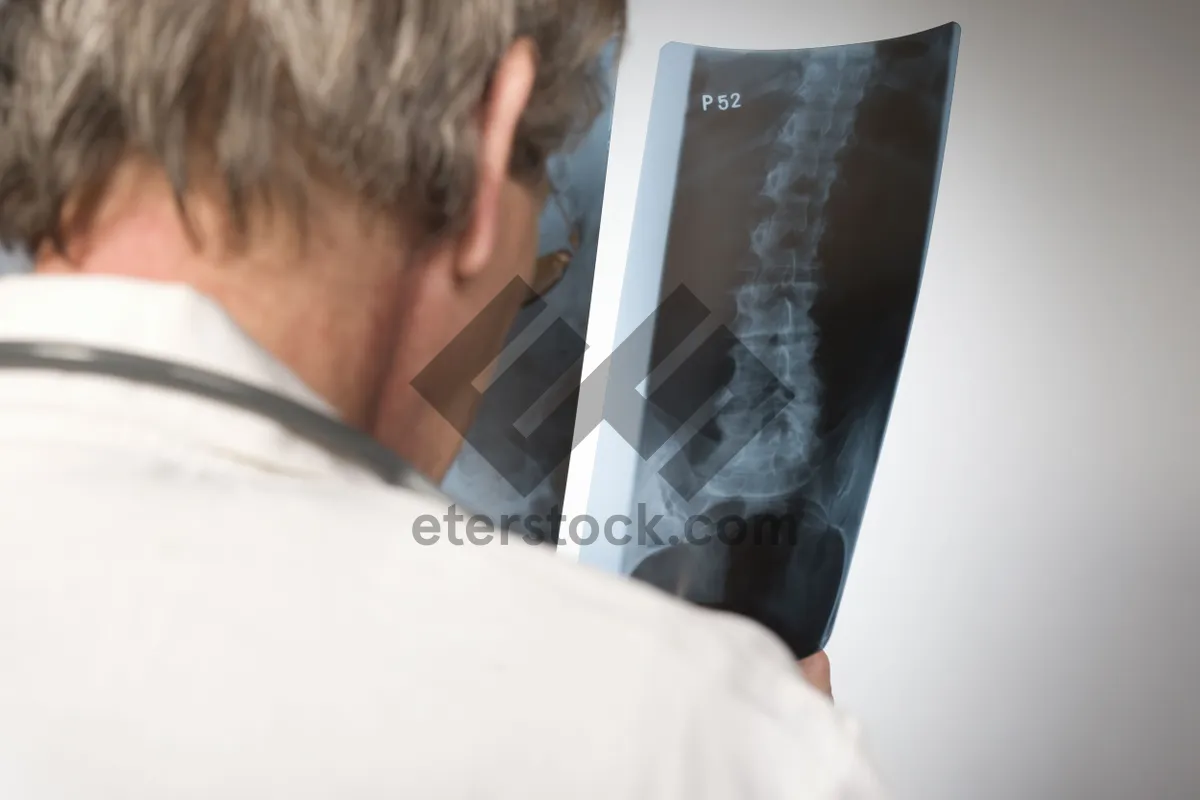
{"x": 779, "y": 239}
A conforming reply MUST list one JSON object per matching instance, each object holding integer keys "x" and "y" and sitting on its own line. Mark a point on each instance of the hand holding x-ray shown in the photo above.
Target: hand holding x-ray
{"x": 815, "y": 670}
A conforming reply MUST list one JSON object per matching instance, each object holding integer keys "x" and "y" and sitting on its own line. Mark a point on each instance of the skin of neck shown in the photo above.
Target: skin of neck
{"x": 329, "y": 309}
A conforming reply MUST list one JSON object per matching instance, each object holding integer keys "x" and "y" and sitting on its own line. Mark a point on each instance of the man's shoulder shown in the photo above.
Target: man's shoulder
{"x": 604, "y": 625}
{"x": 412, "y": 533}
{"x": 717, "y": 684}
{"x": 420, "y": 536}
{"x": 319, "y": 597}
{"x": 405, "y": 546}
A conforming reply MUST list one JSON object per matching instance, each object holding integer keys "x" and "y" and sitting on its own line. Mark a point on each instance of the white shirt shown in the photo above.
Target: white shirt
{"x": 196, "y": 604}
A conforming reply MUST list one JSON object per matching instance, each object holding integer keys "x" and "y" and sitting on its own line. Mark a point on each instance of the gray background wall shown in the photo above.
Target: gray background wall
{"x": 1020, "y": 616}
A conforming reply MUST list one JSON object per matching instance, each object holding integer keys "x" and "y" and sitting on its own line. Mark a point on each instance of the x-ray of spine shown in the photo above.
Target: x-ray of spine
{"x": 801, "y": 214}
{"x": 773, "y": 302}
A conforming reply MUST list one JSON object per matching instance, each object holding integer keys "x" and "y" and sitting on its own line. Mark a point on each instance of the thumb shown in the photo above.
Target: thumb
{"x": 815, "y": 670}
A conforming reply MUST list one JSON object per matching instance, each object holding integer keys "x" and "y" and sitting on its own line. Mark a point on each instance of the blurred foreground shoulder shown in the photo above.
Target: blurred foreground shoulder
{"x": 722, "y": 697}
{"x": 657, "y": 697}
{"x": 767, "y": 733}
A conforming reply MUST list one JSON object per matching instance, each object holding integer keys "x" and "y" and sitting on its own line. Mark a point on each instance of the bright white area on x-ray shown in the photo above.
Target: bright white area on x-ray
{"x": 613, "y": 462}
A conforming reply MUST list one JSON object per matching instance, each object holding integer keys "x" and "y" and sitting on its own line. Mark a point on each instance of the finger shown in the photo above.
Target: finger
{"x": 816, "y": 671}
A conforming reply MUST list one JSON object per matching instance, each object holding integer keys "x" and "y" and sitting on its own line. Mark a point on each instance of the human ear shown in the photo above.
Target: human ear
{"x": 507, "y": 99}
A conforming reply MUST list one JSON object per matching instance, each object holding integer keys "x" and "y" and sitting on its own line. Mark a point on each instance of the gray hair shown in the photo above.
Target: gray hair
{"x": 380, "y": 95}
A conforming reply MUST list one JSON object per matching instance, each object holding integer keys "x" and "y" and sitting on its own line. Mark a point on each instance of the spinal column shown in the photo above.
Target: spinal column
{"x": 773, "y": 323}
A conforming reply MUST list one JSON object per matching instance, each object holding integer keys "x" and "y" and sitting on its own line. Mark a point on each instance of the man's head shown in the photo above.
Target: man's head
{"x": 353, "y": 180}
